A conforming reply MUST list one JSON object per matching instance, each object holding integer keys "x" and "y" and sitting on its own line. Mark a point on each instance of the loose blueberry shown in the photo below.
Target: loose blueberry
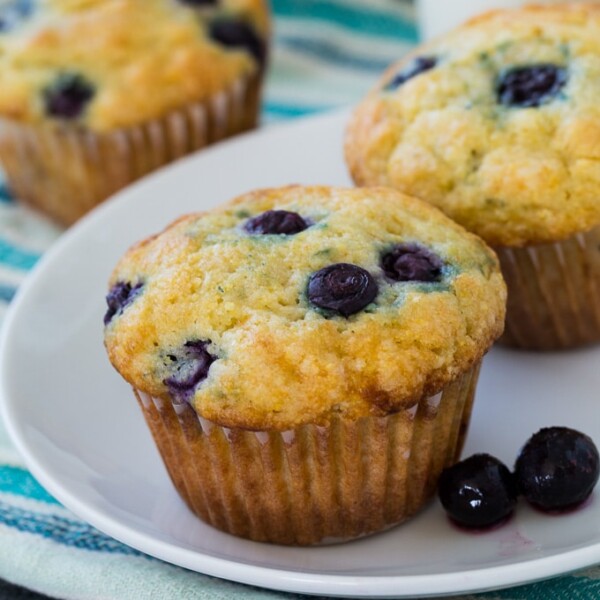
{"x": 68, "y": 96}
{"x": 276, "y": 222}
{"x": 411, "y": 262}
{"x": 119, "y": 296}
{"x": 239, "y": 34}
{"x": 189, "y": 366}
{"x": 557, "y": 468}
{"x": 14, "y": 12}
{"x": 419, "y": 65}
{"x": 478, "y": 492}
{"x": 531, "y": 86}
{"x": 342, "y": 288}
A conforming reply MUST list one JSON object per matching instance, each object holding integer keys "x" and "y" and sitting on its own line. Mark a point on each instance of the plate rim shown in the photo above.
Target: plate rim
{"x": 426, "y": 585}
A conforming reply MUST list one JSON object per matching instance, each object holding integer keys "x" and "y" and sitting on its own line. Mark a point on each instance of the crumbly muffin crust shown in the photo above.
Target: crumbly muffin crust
{"x": 137, "y": 59}
{"x": 511, "y": 158}
{"x": 279, "y": 361}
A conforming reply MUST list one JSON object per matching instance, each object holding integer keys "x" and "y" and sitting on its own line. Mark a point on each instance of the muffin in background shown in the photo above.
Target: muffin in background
{"x": 498, "y": 124}
{"x": 97, "y": 93}
{"x": 306, "y": 357}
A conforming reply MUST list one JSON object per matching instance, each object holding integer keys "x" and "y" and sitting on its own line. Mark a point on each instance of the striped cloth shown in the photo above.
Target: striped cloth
{"x": 327, "y": 53}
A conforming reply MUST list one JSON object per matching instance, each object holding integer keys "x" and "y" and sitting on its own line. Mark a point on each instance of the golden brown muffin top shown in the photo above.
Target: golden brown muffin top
{"x": 496, "y": 123}
{"x": 365, "y": 301}
{"x": 107, "y": 64}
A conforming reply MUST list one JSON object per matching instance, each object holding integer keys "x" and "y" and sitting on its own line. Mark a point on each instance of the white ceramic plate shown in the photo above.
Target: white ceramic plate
{"x": 78, "y": 427}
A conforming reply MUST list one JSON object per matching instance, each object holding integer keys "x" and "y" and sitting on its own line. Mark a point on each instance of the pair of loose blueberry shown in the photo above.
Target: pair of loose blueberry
{"x": 346, "y": 288}
{"x": 556, "y": 470}
{"x": 524, "y": 87}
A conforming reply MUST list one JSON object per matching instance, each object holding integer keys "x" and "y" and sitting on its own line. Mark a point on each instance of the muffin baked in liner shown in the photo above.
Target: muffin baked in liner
{"x": 553, "y": 293}
{"x": 306, "y": 357}
{"x": 65, "y": 171}
{"x": 312, "y": 484}
{"x": 97, "y": 94}
{"x": 496, "y": 124}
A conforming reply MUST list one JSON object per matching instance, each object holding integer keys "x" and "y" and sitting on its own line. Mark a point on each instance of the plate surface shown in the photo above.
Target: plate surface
{"x": 78, "y": 427}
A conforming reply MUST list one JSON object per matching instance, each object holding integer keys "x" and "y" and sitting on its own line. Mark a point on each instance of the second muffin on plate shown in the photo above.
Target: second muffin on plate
{"x": 306, "y": 358}
{"x": 498, "y": 124}
{"x": 97, "y": 93}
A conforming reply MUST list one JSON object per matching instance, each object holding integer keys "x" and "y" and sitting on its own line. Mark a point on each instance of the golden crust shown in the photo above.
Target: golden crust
{"x": 144, "y": 57}
{"x": 514, "y": 176}
{"x": 281, "y": 363}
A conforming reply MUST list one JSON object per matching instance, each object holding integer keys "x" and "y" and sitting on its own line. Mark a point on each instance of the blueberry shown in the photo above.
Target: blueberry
{"x": 14, "y": 12}
{"x": 478, "y": 492}
{"x": 120, "y": 295}
{"x": 239, "y": 34}
{"x": 419, "y": 65}
{"x": 342, "y": 288}
{"x": 411, "y": 262}
{"x": 68, "y": 96}
{"x": 531, "y": 86}
{"x": 276, "y": 222}
{"x": 189, "y": 366}
{"x": 557, "y": 468}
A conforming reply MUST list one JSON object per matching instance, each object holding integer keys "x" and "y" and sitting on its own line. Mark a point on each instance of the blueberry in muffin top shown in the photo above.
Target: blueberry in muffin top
{"x": 531, "y": 85}
{"x": 381, "y": 300}
{"x": 68, "y": 96}
{"x": 419, "y": 65}
{"x": 276, "y": 222}
{"x": 108, "y": 64}
{"x": 501, "y": 133}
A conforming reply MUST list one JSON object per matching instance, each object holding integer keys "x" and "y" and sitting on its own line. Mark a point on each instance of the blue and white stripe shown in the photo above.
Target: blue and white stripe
{"x": 329, "y": 53}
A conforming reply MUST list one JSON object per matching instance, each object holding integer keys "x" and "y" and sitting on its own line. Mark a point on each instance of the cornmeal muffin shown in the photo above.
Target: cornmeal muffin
{"x": 97, "y": 93}
{"x": 498, "y": 124}
{"x": 306, "y": 358}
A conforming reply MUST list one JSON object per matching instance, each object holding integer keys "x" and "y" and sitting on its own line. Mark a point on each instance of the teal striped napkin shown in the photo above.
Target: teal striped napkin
{"x": 327, "y": 53}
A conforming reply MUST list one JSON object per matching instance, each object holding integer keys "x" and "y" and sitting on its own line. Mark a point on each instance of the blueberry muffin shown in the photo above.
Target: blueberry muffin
{"x": 97, "y": 93}
{"x": 498, "y": 124}
{"x": 306, "y": 358}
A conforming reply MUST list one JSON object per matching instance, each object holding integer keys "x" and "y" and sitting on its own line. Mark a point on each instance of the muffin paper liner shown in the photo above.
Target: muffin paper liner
{"x": 553, "y": 293}
{"x": 313, "y": 484}
{"x": 66, "y": 171}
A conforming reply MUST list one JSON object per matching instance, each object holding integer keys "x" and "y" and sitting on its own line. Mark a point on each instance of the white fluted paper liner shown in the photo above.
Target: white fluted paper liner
{"x": 66, "y": 171}
{"x": 312, "y": 484}
{"x": 553, "y": 293}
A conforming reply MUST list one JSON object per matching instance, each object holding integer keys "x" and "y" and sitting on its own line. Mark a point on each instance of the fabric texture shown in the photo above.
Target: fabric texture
{"x": 327, "y": 53}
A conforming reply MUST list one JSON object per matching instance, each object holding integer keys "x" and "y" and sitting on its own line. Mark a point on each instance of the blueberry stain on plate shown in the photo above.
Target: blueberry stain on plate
{"x": 119, "y": 297}
{"x": 531, "y": 86}
{"x": 412, "y": 262}
{"x": 276, "y": 222}
{"x": 419, "y": 65}
{"x": 68, "y": 96}
{"x": 342, "y": 288}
